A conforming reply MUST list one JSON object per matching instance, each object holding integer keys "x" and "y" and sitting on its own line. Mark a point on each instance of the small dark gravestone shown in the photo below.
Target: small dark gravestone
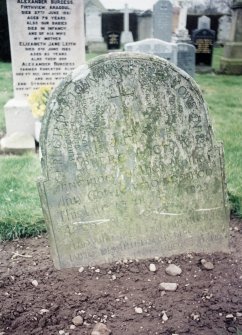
{"x": 113, "y": 40}
{"x": 186, "y": 58}
{"x": 130, "y": 165}
{"x": 203, "y": 40}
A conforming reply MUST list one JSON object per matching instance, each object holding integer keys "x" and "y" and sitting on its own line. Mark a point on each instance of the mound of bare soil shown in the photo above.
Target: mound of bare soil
{"x": 37, "y": 299}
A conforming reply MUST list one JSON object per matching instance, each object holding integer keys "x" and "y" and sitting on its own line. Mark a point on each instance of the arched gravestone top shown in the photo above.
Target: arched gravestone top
{"x": 130, "y": 165}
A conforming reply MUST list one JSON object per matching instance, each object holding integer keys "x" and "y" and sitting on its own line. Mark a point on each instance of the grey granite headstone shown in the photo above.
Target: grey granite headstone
{"x": 130, "y": 165}
{"x": 155, "y": 47}
{"x": 204, "y": 22}
{"x": 186, "y": 58}
{"x": 162, "y": 20}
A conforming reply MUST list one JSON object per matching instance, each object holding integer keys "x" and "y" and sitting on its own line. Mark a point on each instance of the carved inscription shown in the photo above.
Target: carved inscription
{"x": 45, "y": 42}
{"x": 130, "y": 164}
{"x": 203, "y": 40}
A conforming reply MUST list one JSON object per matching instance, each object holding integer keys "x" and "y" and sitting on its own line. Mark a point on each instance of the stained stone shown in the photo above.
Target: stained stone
{"x": 130, "y": 165}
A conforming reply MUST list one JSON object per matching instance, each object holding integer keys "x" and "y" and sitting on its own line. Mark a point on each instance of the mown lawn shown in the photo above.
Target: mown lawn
{"x": 6, "y": 90}
{"x": 20, "y": 213}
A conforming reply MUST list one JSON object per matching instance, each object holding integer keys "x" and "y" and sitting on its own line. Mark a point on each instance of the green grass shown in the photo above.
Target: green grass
{"x": 91, "y": 55}
{"x": 217, "y": 53}
{"x": 6, "y": 90}
{"x": 224, "y": 99}
{"x": 20, "y": 212}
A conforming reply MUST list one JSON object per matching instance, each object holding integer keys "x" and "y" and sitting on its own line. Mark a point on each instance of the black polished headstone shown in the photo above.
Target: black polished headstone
{"x": 203, "y": 40}
{"x": 113, "y": 40}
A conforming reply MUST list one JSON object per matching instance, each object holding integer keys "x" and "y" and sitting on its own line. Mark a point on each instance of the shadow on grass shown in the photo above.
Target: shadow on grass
{"x": 235, "y": 206}
{"x": 10, "y": 230}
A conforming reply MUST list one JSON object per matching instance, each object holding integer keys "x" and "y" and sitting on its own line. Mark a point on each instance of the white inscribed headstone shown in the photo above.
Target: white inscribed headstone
{"x": 204, "y": 22}
{"x": 47, "y": 42}
{"x": 155, "y": 47}
{"x": 162, "y": 20}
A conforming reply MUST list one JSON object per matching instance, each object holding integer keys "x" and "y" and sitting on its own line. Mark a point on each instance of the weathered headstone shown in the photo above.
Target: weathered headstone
{"x": 155, "y": 47}
{"x": 204, "y": 22}
{"x": 186, "y": 58}
{"x": 203, "y": 40}
{"x": 130, "y": 165}
{"x": 47, "y": 42}
{"x": 162, "y": 20}
{"x": 113, "y": 40}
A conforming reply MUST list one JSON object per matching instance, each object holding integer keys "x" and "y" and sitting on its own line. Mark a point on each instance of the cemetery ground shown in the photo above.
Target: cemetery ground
{"x": 126, "y": 296}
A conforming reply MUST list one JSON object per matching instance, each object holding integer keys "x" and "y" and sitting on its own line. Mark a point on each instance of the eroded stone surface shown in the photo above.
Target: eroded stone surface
{"x": 131, "y": 168}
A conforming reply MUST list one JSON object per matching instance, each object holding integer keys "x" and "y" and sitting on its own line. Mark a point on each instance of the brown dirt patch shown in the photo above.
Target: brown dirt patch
{"x": 199, "y": 306}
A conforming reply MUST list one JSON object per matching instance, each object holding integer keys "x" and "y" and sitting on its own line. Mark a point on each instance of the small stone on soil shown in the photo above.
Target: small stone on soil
{"x": 43, "y": 311}
{"x": 77, "y": 320}
{"x": 207, "y": 265}
{"x": 173, "y": 270}
{"x": 72, "y": 327}
{"x": 152, "y": 267}
{"x": 164, "y": 316}
{"x": 168, "y": 286}
{"x": 229, "y": 316}
{"x": 101, "y": 329}
{"x": 81, "y": 269}
{"x": 34, "y": 283}
{"x": 196, "y": 317}
{"x": 138, "y": 310}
